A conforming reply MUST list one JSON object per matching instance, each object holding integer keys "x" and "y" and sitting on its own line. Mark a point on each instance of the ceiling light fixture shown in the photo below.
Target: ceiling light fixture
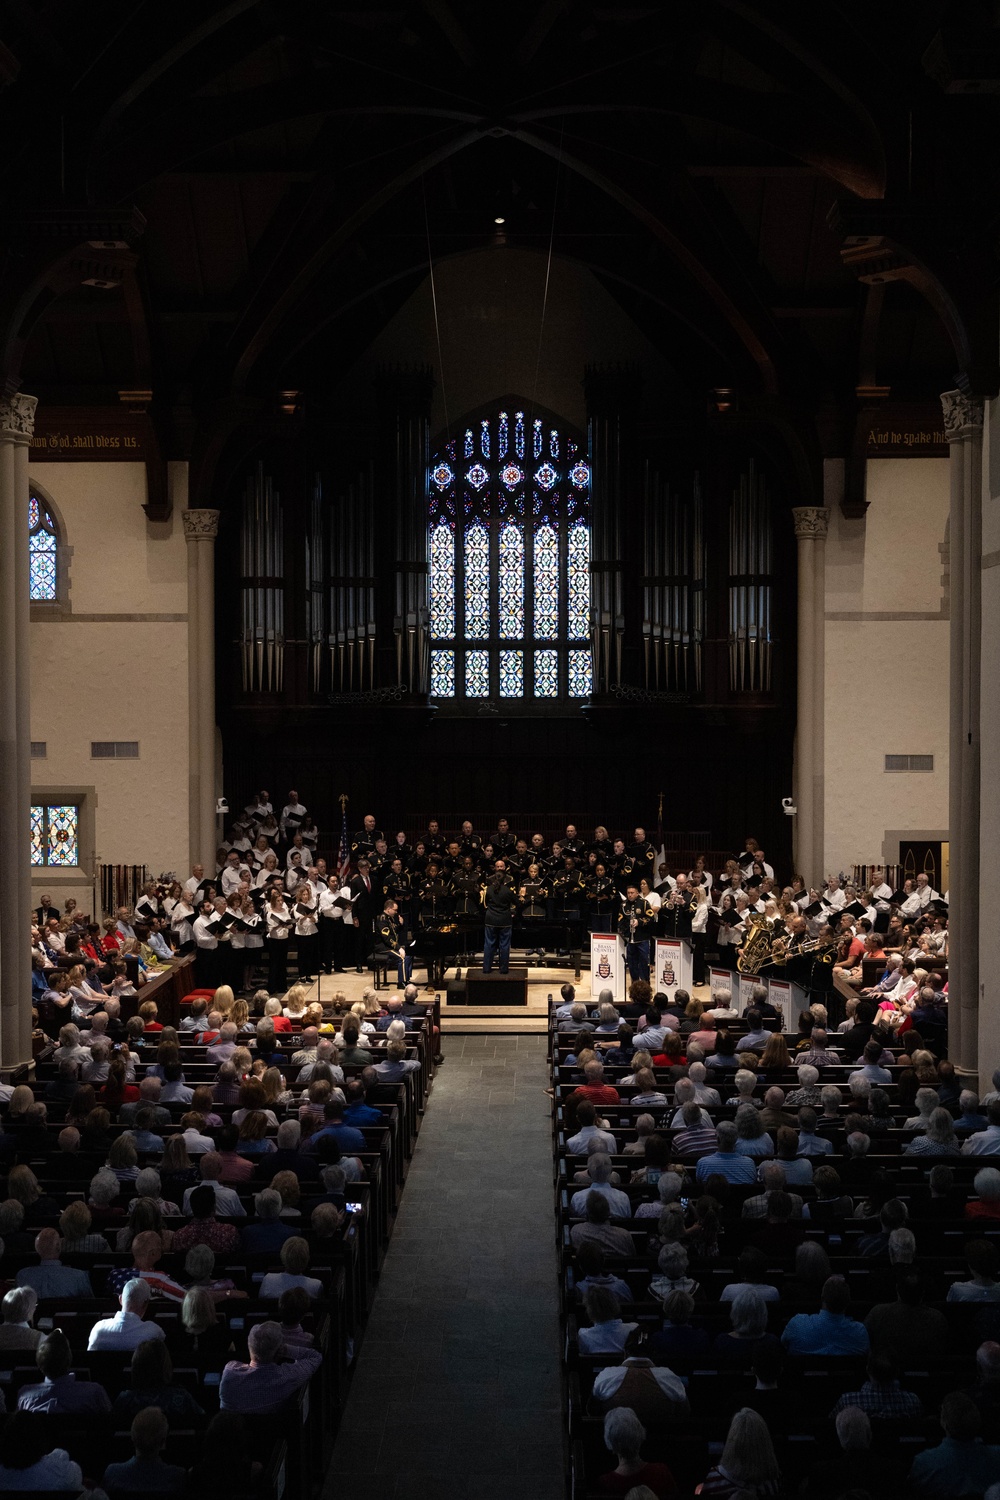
{"x": 499, "y": 219}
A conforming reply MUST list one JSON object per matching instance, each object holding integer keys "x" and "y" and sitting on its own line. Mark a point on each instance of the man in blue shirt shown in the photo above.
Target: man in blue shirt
{"x": 830, "y": 1331}
{"x": 725, "y": 1161}
{"x": 357, "y": 1111}
{"x": 348, "y": 1137}
{"x": 50, "y": 1278}
{"x": 961, "y": 1464}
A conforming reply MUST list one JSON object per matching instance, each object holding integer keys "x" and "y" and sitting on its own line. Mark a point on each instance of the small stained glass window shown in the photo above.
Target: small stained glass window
{"x": 546, "y": 674}
{"x": 477, "y": 674}
{"x": 581, "y": 674}
{"x": 55, "y": 834}
{"x": 511, "y": 674}
{"x": 43, "y": 552}
{"x": 442, "y": 674}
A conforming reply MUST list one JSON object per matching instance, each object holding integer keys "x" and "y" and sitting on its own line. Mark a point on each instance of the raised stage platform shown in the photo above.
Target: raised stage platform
{"x": 459, "y": 1018}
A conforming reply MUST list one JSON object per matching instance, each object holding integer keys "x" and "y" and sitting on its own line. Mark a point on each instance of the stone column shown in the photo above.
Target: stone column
{"x": 989, "y": 733}
{"x": 200, "y": 530}
{"x": 963, "y": 427}
{"x": 811, "y": 524}
{"x": 17, "y": 422}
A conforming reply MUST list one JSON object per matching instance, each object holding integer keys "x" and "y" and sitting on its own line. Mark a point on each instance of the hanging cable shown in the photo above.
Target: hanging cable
{"x": 548, "y": 269}
{"x": 434, "y": 304}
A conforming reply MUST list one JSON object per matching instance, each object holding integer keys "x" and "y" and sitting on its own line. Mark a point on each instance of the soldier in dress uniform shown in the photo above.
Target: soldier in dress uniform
{"x": 401, "y": 848}
{"x": 503, "y": 840}
{"x": 470, "y": 843}
{"x": 533, "y": 895}
{"x": 392, "y": 934}
{"x": 398, "y": 884}
{"x": 644, "y": 855}
{"x": 572, "y": 843}
{"x": 433, "y": 840}
{"x": 363, "y": 843}
{"x": 433, "y": 902}
{"x": 467, "y": 887}
{"x": 675, "y": 911}
{"x": 635, "y": 925}
{"x": 602, "y": 900}
{"x": 568, "y": 895}
{"x": 602, "y": 846}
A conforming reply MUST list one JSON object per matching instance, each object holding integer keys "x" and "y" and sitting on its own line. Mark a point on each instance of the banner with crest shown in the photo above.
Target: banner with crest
{"x": 673, "y": 967}
{"x": 607, "y": 964}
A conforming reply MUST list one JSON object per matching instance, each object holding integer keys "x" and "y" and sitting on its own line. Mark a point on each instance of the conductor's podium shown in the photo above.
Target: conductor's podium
{"x": 496, "y": 988}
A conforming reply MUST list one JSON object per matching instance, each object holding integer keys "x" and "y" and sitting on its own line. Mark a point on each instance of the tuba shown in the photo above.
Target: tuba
{"x": 756, "y": 946}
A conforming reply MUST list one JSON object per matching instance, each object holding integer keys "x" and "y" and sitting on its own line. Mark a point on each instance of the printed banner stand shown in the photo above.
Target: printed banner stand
{"x": 789, "y": 999}
{"x": 673, "y": 968}
{"x": 748, "y": 983}
{"x": 607, "y": 964}
{"x": 722, "y": 979}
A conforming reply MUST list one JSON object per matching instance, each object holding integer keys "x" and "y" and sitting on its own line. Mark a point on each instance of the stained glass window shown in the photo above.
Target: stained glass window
{"x": 477, "y": 581}
{"x": 581, "y": 674}
{"x": 477, "y": 674}
{"x": 442, "y": 674}
{"x": 546, "y": 674}
{"x": 509, "y": 582}
{"x": 38, "y": 835}
{"x": 43, "y": 552}
{"x": 55, "y": 834}
{"x": 578, "y": 582}
{"x": 511, "y": 674}
{"x": 442, "y": 581}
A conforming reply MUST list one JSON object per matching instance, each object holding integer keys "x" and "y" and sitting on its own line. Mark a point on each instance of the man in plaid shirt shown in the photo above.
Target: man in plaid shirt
{"x": 882, "y": 1396}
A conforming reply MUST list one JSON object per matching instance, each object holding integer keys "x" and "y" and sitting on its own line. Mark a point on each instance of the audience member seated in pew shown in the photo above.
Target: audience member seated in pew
{"x": 748, "y": 1468}
{"x": 129, "y": 1327}
{"x": 50, "y": 1278}
{"x": 27, "y": 1462}
{"x": 624, "y": 1436}
{"x": 596, "y": 1229}
{"x": 145, "y": 1473}
{"x": 831, "y": 1331}
{"x": 60, "y": 1392}
{"x": 962, "y": 1464}
{"x": 656, "y": 1395}
{"x": 276, "y": 1371}
{"x": 152, "y": 1384}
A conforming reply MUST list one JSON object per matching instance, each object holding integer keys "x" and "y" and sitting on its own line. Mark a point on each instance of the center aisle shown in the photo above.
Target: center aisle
{"x": 457, "y": 1391}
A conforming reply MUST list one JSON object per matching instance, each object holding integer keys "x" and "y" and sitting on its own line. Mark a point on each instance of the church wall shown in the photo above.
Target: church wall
{"x": 111, "y": 664}
{"x": 886, "y": 689}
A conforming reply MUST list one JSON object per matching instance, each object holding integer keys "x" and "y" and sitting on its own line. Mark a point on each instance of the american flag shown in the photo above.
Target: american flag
{"x": 344, "y": 852}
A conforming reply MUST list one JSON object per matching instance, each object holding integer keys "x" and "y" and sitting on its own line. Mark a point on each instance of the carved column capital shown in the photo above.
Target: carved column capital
{"x": 811, "y": 521}
{"x": 17, "y": 418}
{"x": 200, "y": 525}
{"x": 962, "y": 416}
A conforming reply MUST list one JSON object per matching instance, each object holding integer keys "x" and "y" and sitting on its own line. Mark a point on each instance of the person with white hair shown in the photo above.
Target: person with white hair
{"x": 808, "y": 1091}
{"x": 19, "y": 1306}
{"x": 971, "y": 1115}
{"x": 624, "y": 1436}
{"x": 697, "y": 1073}
{"x": 745, "y": 1081}
{"x": 987, "y": 1185}
{"x": 927, "y": 1102}
{"x": 128, "y": 1327}
{"x": 599, "y": 1171}
{"x": 668, "y": 1190}
{"x": 685, "y": 1092}
{"x": 261, "y": 1387}
{"x": 939, "y": 1138}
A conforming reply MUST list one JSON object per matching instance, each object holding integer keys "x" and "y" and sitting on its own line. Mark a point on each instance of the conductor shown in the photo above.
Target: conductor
{"x": 500, "y": 901}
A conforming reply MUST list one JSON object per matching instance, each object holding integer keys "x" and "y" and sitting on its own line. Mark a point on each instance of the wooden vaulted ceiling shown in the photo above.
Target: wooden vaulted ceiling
{"x": 707, "y": 161}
